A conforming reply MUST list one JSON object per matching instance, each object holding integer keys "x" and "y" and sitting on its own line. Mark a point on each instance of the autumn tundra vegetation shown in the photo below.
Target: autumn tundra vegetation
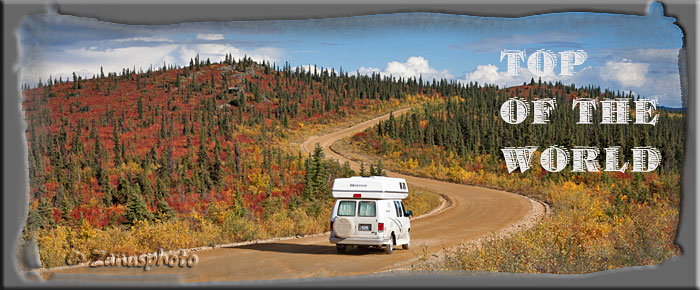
{"x": 598, "y": 220}
{"x": 178, "y": 157}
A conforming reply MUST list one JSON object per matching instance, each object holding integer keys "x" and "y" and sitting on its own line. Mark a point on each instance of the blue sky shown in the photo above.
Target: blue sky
{"x": 625, "y": 52}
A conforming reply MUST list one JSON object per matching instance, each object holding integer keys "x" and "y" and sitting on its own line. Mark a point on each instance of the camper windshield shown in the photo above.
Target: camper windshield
{"x": 367, "y": 208}
{"x": 346, "y": 208}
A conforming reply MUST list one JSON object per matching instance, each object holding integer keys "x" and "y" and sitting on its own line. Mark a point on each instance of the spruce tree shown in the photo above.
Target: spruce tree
{"x": 322, "y": 175}
{"x": 136, "y": 209}
{"x": 165, "y": 212}
{"x": 309, "y": 172}
{"x": 362, "y": 169}
{"x": 346, "y": 171}
{"x": 45, "y": 212}
{"x": 380, "y": 169}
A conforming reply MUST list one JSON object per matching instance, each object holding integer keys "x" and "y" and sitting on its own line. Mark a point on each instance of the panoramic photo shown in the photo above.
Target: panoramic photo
{"x": 337, "y": 147}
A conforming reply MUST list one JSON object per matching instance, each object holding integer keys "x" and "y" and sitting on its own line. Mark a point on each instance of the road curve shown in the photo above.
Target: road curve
{"x": 474, "y": 212}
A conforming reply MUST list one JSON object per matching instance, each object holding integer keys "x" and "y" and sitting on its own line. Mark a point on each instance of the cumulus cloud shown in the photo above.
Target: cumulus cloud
{"x": 619, "y": 75}
{"x": 667, "y": 88}
{"x": 489, "y": 74}
{"x": 216, "y": 52}
{"x": 212, "y": 36}
{"x": 413, "y": 67}
{"x": 146, "y": 39}
{"x": 369, "y": 70}
{"x": 484, "y": 74}
{"x": 86, "y": 61}
{"x": 627, "y": 74}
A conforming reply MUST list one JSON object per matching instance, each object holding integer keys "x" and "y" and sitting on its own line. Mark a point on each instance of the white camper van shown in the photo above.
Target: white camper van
{"x": 369, "y": 211}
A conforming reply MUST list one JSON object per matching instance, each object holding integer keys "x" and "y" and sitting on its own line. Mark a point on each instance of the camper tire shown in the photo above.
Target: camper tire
{"x": 341, "y": 248}
{"x": 388, "y": 249}
{"x": 343, "y": 227}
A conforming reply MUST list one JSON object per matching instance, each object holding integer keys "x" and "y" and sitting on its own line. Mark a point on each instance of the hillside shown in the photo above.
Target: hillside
{"x": 184, "y": 135}
{"x": 203, "y": 147}
{"x": 599, "y": 220}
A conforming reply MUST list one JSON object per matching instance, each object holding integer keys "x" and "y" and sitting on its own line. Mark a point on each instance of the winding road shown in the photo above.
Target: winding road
{"x": 472, "y": 212}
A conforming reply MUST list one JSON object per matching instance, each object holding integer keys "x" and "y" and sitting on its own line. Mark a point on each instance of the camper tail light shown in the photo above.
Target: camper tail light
{"x": 380, "y": 227}
{"x": 331, "y": 225}
{"x": 356, "y": 195}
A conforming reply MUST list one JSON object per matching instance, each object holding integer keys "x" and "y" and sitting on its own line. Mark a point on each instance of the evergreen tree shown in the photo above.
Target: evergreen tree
{"x": 121, "y": 195}
{"x": 362, "y": 169}
{"x": 380, "y": 169}
{"x": 316, "y": 176}
{"x": 164, "y": 210}
{"x": 145, "y": 185}
{"x": 45, "y": 212}
{"x": 136, "y": 209}
{"x": 346, "y": 171}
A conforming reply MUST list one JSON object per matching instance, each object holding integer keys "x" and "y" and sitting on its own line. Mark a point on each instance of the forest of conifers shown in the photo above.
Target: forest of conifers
{"x": 470, "y": 125}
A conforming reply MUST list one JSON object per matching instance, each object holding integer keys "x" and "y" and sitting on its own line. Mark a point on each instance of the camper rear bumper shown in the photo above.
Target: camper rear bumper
{"x": 360, "y": 241}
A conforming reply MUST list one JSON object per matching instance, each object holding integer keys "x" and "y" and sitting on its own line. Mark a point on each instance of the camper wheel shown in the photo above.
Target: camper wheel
{"x": 407, "y": 245}
{"x": 388, "y": 249}
{"x": 341, "y": 248}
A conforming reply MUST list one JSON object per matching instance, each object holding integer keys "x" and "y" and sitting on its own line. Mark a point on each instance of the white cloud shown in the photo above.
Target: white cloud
{"x": 217, "y": 52}
{"x": 213, "y": 36}
{"x": 414, "y": 67}
{"x": 147, "y": 39}
{"x": 623, "y": 75}
{"x": 86, "y": 61}
{"x": 484, "y": 74}
{"x": 369, "y": 70}
{"x": 627, "y": 74}
{"x": 489, "y": 74}
{"x": 668, "y": 89}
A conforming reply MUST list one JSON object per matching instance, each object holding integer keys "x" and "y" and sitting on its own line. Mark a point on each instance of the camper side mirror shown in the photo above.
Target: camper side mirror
{"x": 409, "y": 213}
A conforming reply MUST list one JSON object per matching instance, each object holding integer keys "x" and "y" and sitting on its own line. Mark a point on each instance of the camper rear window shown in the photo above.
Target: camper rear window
{"x": 346, "y": 208}
{"x": 367, "y": 208}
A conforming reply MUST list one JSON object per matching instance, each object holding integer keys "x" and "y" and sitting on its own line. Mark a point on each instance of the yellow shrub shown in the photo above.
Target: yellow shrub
{"x": 53, "y": 246}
